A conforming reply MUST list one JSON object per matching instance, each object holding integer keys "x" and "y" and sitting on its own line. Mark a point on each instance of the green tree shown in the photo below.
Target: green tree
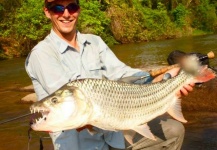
{"x": 93, "y": 20}
{"x": 30, "y": 24}
{"x": 22, "y": 23}
{"x": 205, "y": 16}
{"x": 180, "y": 13}
{"x": 157, "y": 23}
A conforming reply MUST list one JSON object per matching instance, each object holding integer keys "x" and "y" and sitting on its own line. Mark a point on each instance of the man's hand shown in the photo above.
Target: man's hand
{"x": 174, "y": 72}
{"x": 185, "y": 90}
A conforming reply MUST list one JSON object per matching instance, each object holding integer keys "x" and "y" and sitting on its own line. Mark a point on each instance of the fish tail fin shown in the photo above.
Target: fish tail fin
{"x": 205, "y": 74}
{"x": 201, "y": 73}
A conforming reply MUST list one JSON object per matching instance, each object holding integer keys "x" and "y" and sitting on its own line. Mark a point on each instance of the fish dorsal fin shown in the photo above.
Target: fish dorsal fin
{"x": 104, "y": 77}
{"x": 145, "y": 131}
{"x": 129, "y": 135}
{"x": 176, "y": 111}
{"x": 130, "y": 79}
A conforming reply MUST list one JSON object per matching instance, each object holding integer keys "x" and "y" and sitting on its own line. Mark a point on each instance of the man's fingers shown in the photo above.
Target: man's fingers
{"x": 184, "y": 91}
{"x": 187, "y": 88}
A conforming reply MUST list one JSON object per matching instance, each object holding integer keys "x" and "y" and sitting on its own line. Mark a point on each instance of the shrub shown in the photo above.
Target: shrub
{"x": 179, "y": 14}
{"x": 93, "y": 20}
{"x": 205, "y": 16}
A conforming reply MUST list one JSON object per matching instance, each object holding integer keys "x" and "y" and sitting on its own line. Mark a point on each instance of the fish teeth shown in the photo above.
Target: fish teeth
{"x": 38, "y": 120}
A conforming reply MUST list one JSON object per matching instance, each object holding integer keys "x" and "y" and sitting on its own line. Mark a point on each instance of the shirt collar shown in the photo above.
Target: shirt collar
{"x": 63, "y": 45}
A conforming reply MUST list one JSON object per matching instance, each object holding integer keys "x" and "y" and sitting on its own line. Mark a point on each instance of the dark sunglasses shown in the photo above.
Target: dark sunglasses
{"x": 59, "y": 9}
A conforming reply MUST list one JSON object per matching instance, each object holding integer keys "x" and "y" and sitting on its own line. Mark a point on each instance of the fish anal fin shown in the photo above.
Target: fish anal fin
{"x": 176, "y": 111}
{"x": 145, "y": 131}
{"x": 129, "y": 135}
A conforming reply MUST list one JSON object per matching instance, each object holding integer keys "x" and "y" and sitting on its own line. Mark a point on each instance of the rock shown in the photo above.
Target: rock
{"x": 27, "y": 88}
{"x": 29, "y": 98}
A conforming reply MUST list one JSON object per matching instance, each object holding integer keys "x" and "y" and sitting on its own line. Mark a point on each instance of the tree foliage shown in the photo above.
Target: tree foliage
{"x": 22, "y": 23}
{"x": 180, "y": 14}
{"x": 94, "y": 20}
{"x": 205, "y": 16}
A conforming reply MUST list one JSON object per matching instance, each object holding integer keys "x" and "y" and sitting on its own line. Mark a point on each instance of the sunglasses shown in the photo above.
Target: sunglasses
{"x": 59, "y": 9}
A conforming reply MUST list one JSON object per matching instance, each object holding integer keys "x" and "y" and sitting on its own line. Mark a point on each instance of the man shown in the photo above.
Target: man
{"x": 65, "y": 55}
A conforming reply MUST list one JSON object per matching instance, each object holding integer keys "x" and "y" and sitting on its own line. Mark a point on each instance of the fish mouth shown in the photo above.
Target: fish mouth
{"x": 39, "y": 115}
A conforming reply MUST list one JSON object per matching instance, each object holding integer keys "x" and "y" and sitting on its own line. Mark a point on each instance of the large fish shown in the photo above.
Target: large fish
{"x": 115, "y": 105}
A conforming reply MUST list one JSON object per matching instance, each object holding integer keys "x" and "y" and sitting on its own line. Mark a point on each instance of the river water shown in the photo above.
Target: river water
{"x": 201, "y": 131}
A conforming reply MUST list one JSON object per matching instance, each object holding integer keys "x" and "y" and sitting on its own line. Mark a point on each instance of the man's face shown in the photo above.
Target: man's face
{"x": 64, "y": 23}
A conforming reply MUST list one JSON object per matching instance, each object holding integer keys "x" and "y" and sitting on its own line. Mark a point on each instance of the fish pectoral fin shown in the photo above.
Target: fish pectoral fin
{"x": 145, "y": 131}
{"x": 78, "y": 94}
{"x": 129, "y": 135}
{"x": 91, "y": 131}
{"x": 89, "y": 128}
{"x": 176, "y": 111}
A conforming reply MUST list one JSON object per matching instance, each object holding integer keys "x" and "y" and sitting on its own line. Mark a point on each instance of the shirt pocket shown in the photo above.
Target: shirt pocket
{"x": 95, "y": 69}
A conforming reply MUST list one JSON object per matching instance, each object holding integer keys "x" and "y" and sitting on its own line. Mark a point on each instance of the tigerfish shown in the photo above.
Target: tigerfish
{"x": 115, "y": 105}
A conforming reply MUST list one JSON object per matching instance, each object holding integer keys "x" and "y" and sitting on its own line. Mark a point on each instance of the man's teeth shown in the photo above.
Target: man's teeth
{"x": 66, "y": 21}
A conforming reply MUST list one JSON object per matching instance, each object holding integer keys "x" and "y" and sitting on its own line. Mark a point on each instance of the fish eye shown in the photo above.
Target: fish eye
{"x": 54, "y": 100}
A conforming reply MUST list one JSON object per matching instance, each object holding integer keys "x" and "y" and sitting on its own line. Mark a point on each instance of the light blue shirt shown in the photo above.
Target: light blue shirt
{"x": 53, "y": 63}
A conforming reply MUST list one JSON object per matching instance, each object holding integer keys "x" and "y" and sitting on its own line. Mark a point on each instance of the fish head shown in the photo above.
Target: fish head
{"x": 64, "y": 109}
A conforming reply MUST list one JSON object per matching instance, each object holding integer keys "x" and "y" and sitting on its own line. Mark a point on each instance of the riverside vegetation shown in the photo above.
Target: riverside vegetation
{"x": 22, "y": 23}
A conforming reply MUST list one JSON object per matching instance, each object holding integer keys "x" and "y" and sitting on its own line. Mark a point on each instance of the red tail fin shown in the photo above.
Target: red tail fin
{"x": 205, "y": 74}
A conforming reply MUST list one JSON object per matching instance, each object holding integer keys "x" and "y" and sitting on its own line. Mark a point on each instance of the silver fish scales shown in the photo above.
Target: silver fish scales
{"x": 120, "y": 105}
{"x": 115, "y": 106}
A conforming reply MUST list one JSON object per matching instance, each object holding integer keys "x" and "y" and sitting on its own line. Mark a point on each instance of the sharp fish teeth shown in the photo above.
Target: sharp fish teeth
{"x": 38, "y": 120}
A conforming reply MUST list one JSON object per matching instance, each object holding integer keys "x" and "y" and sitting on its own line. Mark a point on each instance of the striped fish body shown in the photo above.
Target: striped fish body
{"x": 113, "y": 105}
{"x": 122, "y": 106}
